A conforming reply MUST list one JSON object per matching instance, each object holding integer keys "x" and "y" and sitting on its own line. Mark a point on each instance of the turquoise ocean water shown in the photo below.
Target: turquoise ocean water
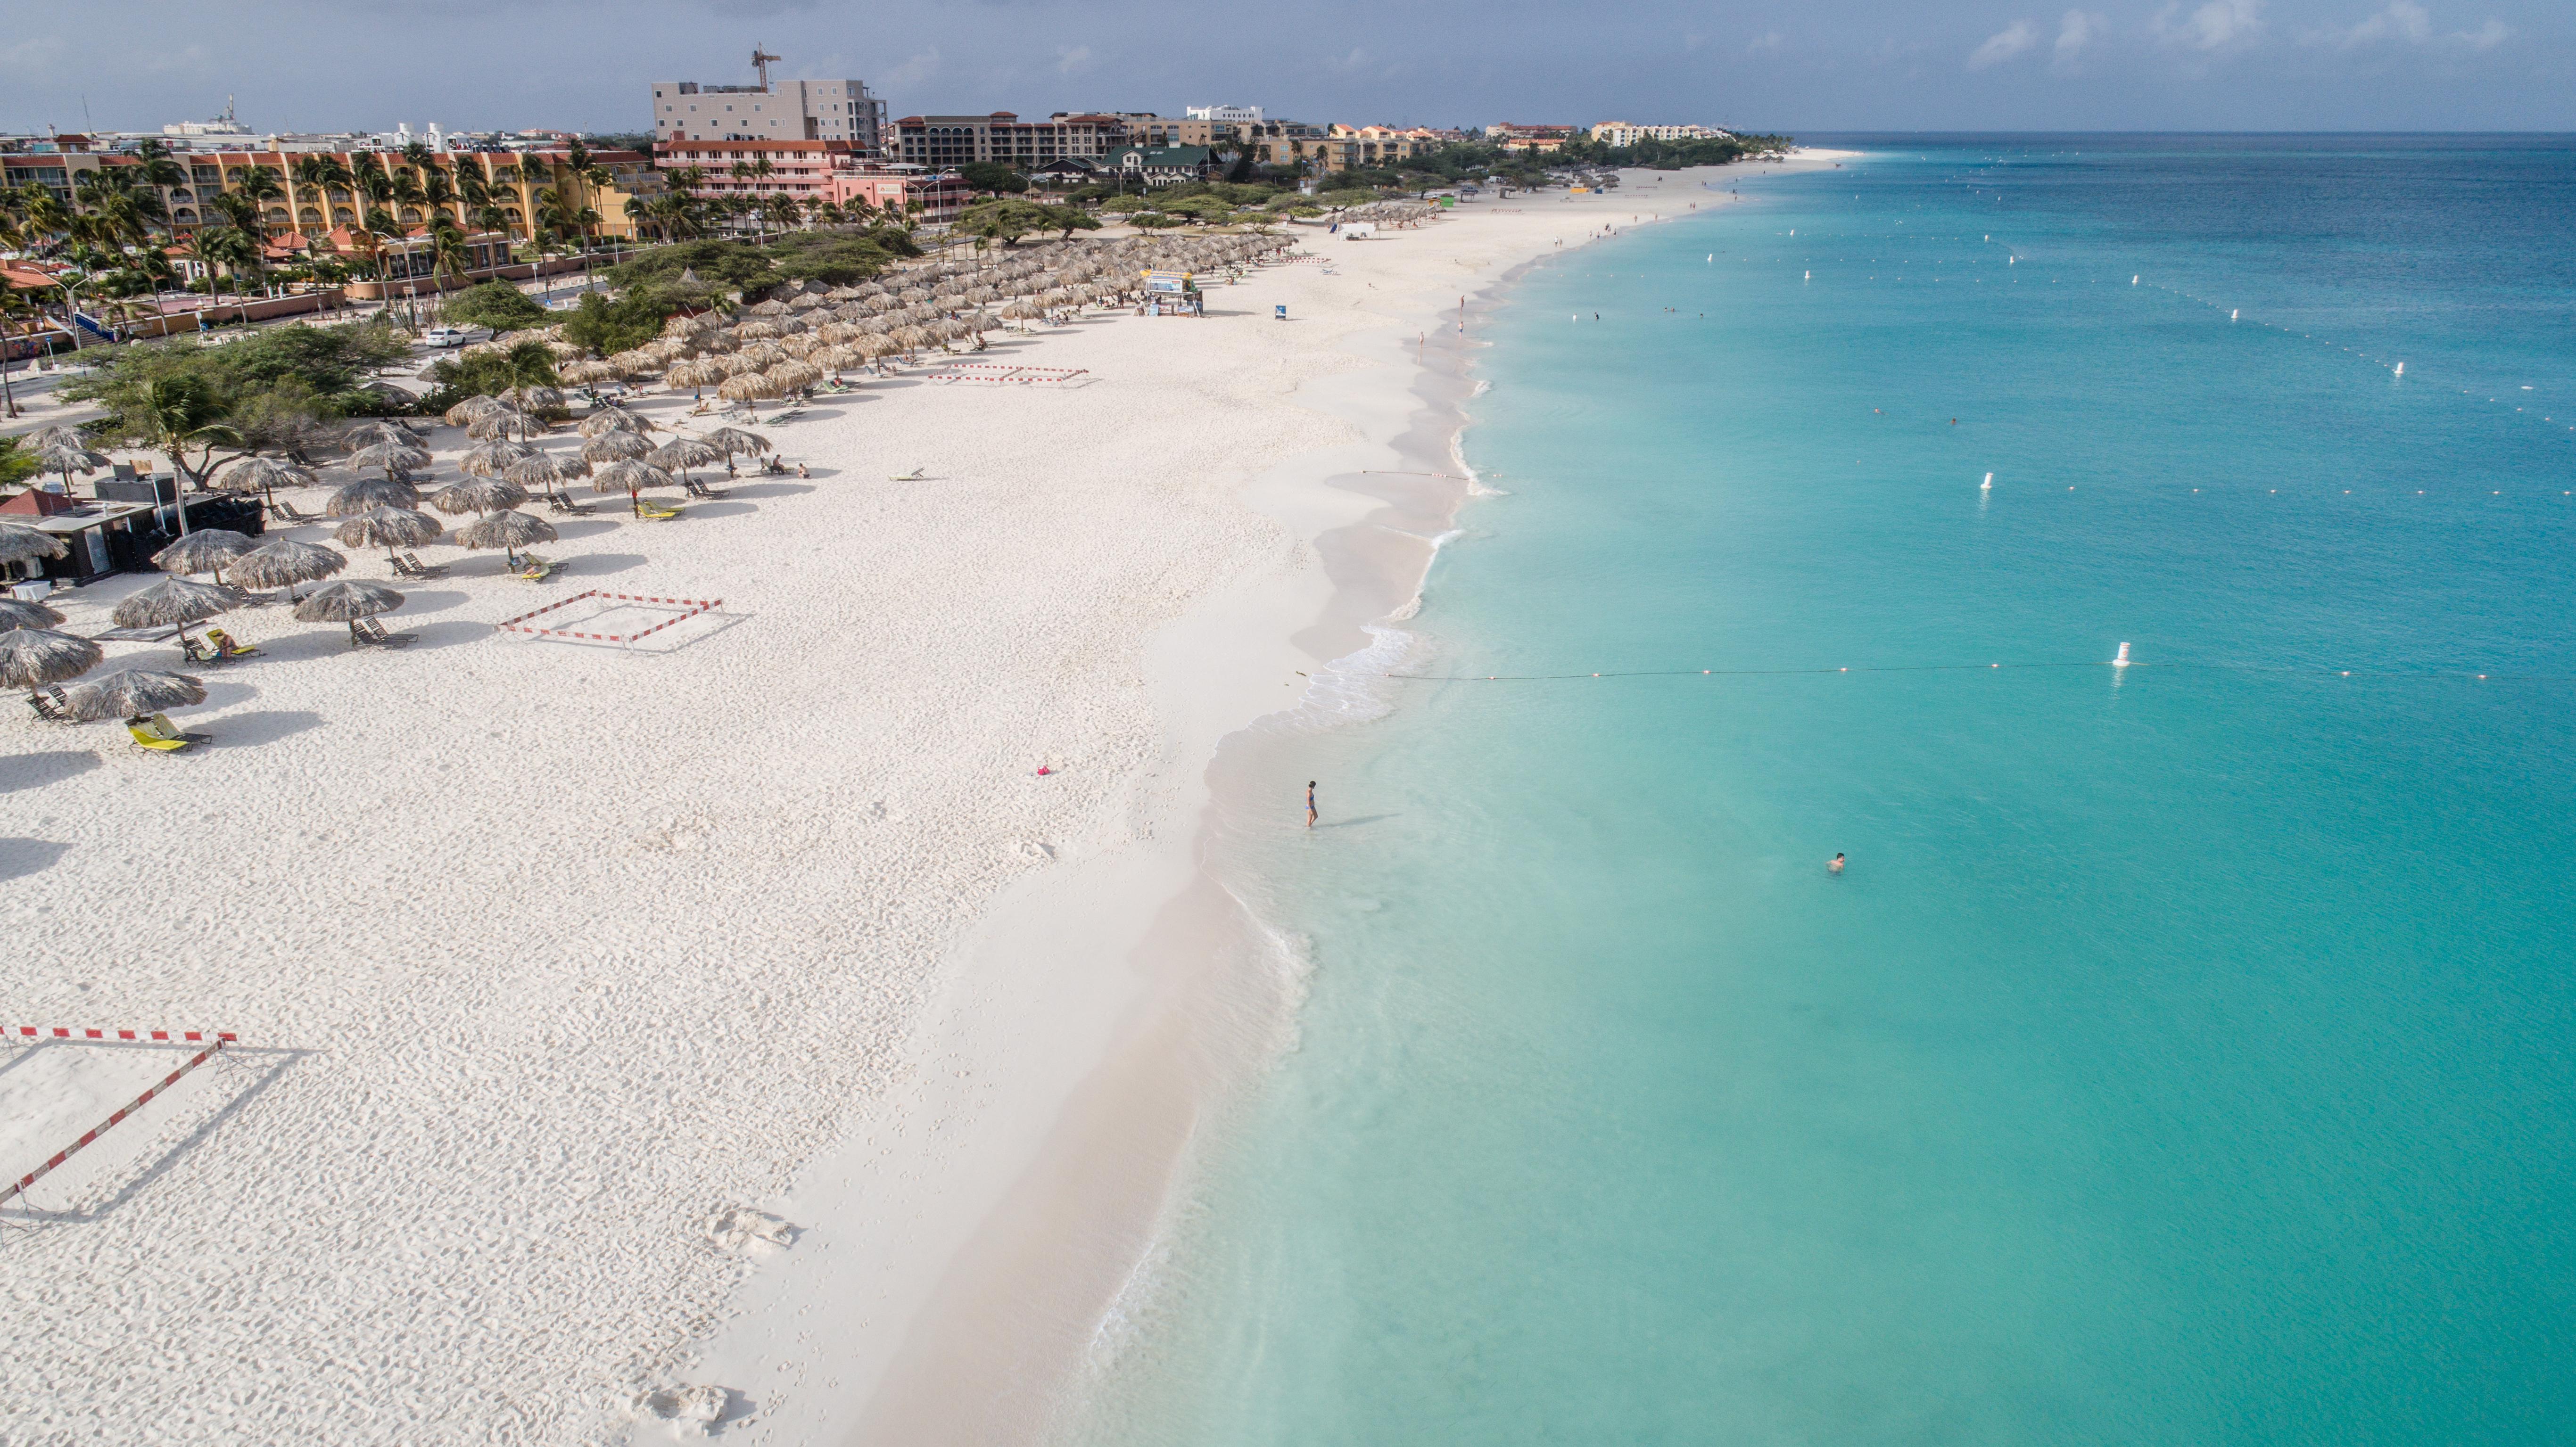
{"x": 2184, "y": 1057}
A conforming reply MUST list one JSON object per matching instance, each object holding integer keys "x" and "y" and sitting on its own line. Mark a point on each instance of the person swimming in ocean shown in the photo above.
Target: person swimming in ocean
{"x": 1835, "y": 866}
{"x": 1310, "y": 804}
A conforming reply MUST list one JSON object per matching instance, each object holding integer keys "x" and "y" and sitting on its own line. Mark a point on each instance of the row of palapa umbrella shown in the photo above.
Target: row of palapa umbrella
{"x": 784, "y": 344}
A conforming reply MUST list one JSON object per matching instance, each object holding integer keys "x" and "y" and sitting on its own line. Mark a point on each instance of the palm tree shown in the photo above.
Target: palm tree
{"x": 449, "y": 256}
{"x": 177, "y": 412}
{"x": 238, "y": 250}
{"x": 439, "y": 190}
{"x": 262, "y": 185}
{"x": 18, "y": 313}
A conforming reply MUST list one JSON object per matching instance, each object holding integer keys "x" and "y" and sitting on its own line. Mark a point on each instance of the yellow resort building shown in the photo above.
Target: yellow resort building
{"x": 322, "y": 191}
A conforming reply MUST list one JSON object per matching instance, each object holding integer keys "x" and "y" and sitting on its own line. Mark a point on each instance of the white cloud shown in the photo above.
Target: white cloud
{"x": 2080, "y": 30}
{"x": 2402, "y": 20}
{"x": 1769, "y": 42}
{"x": 34, "y": 56}
{"x": 1352, "y": 64}
{"x": 2004, "y": 44}
{"x": 1077, "y": 58}
{"x": 2218, "y": 25}
{"x": 2485, "y": 37}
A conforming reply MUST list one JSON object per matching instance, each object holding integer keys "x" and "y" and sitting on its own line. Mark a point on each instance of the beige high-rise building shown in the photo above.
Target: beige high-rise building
{"x": 773, "y": 110}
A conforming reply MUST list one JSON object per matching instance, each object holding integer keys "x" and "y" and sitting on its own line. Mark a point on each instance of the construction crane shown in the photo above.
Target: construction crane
{"x": 760, "y": 60}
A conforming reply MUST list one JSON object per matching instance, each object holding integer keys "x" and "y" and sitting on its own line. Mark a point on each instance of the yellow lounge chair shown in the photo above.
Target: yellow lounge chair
{"x": 156, "y": 733}
{"x": 533, "y": 568}
{"x": 655, "y": 512}
{"x": 226, "y": 647}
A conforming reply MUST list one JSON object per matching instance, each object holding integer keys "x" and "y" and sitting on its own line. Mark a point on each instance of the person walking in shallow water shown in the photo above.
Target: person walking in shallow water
{"x": 1310, "y": 803}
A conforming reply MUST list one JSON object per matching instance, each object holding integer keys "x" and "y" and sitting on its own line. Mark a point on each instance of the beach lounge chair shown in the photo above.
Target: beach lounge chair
{"x": 155, "y": 733}
{"x": 700, "y": 489}
{"x": 560, "y": 503}
{"x": 409, "y": 565}
{"x": 160, "y": 727}
{"x": 225, "y": 647}
{"x": 532, "y": 568}
{"x": 368, "y": 633}
{"x": 285, "y": 511}
{"x": 654, "y": 512}
{"x": 49, "y": 703}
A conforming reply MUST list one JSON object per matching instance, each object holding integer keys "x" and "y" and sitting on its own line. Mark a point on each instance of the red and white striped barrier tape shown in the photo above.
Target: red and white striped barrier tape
{"x": 218, "y": 1038}
{"x": 167, "y": 1037}
{"x": 693, "y": 607}
{"x": 990, "y": 372}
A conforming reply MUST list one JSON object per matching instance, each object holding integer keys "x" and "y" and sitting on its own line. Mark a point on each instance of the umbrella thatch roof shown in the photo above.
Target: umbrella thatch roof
{"x": 369, "y": 494}
{"x": 20, "y": 545}
{"x": 175, "y": 601}
{"x": 505, "y": 530}
{"x": 261, "y": 474}
{"x": 20, "y": 613}
{"x": 749, "y": 387}
{"x": 546, "y": 469}
{"x": 346, "y": 602}
{"x": 471, "y": 408}
{"x": 533, "y": 399}
{"x": 30, "y": 656}
{"x": 132, "y": 693}
{"x": 393, "y": 457}
{"x": 705, "y": 372}
{"x": 630, "y": 477}
{"x": 686, "y": 452}
{"x": 478, "y": 494}
{"x": 202, "y": 551}
{"x": 380, "y": 430}
{"x": 283, "y": 562}
{"x": 487, "y": 459}
{"x": 736, "y": 441}
{"x": 502, "y": 422}
{"x": 389, "y": 528}
{"x": 614, "y": 419}
{"x": 615, "y": 447}
{"x": 70, "y": 457}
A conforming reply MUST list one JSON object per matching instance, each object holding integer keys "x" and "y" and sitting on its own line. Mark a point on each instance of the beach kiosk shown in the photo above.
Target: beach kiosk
{"x": 1173, "y": 293}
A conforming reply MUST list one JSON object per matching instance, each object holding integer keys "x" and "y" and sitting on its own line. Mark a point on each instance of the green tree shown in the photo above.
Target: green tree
{"x": 993, "y": 178}
{"x": 601, "y": 326}
{"x": 497, "y": 305}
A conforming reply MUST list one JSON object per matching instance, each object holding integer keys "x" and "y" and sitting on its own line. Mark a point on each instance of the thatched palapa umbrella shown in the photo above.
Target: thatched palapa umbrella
{"x": 734, "y": 442}
{"x": 614, "y": 419}
{"x": 20, "y": 613}
{"x": 133, "y": 694}
{"x": 630, "y": 478}
{"x": 487, "y": 459}
{"x": 206, "y": 550}
{"x": 367, "y": 495}
{"x": 508, "y": 531}
{"x": 284, "y": 562}
{"x": 392, "y": 457}
{"x": 478, "y": 494}
{"x": 381, "y": 430}
{"x": 471, "y": 408}
{"x": 547, "y": 473}
{"x": 31, "y": 658}
{"x": 682, "y": 454}
{"x": 175, "y": 602}
{"x": 610, "y": 447}
{"x": 262, "y": 475}
{"x": 25, "y": 545}
{"x": 68, "y": 456}
{"x": 502, "y": 422}
{"x": 389, "y": 528}
{"x": 347, "y": 602}
{"x": 749, "y": 387}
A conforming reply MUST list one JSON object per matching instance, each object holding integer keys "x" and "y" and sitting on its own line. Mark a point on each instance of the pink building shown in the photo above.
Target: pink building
{"x": 814, "y": 171}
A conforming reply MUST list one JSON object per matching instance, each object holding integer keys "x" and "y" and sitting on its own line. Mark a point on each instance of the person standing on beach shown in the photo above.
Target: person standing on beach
{"x": 1310, "y": 803}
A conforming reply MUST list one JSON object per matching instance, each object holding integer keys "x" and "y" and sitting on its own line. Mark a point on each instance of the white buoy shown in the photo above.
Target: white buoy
{"x": 2133, "y": 281}
{"x": 1712, "y": 258}
{"x": 2401, "y": 369}
{"x": 1806, "y": 276}
{"x": 2123, "y": 660}
{"x": 2231, "y": 315}
{"x": 1989, "y": 482}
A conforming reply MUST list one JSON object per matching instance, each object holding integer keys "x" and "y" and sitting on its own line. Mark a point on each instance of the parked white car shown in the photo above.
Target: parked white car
{"x": 447, "y": 336}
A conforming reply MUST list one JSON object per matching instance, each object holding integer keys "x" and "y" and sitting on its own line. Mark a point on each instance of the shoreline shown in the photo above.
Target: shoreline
{"x": 1102, "y": 1012}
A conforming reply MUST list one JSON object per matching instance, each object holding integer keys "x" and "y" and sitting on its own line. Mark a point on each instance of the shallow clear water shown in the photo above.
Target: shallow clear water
{"x": 2183, "y": 1058}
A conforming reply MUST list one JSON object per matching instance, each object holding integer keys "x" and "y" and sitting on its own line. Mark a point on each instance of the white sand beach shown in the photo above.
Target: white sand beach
{"x": 543, "y": 953}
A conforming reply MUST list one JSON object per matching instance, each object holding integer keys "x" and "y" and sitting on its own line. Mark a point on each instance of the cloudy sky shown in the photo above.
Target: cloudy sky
{"x": 1812, "y": 66}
